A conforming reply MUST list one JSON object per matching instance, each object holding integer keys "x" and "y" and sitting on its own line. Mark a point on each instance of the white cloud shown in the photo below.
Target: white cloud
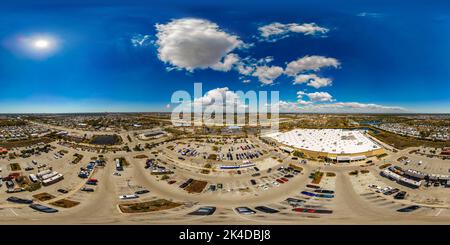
{"x": 304, "y": 102}
{"x": 357, "y": 105}
{"x": 191, "y": 43}
{"x": 337, "y": 107}
{"x": 266, "y": 74}
{"x": 320, "y": 97}
{"x": 276, "y": 30}
{"x": 310, "y": 63}
{"x": 217, "y": 96}
{"x": 312, "y": 80}
{"x": 140, "y": 40}
{"x": 245, "y": 70}
{"x": 316, "y": 96}
{"x": 287, "y": 106}
{"x": 266, "y": 60}
{"x": 228, "y": 62}
{"x": 217, "y": 99}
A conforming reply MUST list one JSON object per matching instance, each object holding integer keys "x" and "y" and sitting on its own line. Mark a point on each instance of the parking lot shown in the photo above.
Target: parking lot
{"x": 272, "y": 187}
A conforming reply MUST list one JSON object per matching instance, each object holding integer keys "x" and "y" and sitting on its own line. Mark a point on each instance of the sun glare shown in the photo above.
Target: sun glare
{"x": 41, "y": 44}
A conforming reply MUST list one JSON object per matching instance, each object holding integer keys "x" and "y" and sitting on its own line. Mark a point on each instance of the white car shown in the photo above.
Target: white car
{"x": 125, "y": 197}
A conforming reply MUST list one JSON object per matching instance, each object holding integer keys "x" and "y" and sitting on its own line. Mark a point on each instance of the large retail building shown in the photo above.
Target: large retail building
{"x": 340, "y": 145}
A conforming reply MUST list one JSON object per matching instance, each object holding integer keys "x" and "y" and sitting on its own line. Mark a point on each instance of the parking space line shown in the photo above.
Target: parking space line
{"x": 12, "y": 211}
{"x": 439, "y": 212}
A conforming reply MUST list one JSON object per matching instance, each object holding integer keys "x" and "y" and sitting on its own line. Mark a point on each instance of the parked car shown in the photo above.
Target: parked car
{"x": 207, "y": 210}
{"x": 87, "y": 189}
{"x": 313, "y": 186}
{"x": 295, "y": 201}
{"x": 408, "y": 209}
{"x": 63, "y": 191}
{"x": 19, "y": 200}
{"x": 266, "y": 209}
{"x": 253, "y": 181}
{"x": 126, "y": 197}
{"x": 140, "y": 192}
{"x": 43, "y": 208}
{"x": 91, "y": 182}
{"x": 184, "y": 185}
{"x": 324, "y": 191}
{"x": 9, "y": 184}
{"x": 307, "y": 193}
{"x": 390, "y": 192}
{"x": 244, "y": 210}
{"x": 312, "y": 210}
{"x": 400, "y": 195}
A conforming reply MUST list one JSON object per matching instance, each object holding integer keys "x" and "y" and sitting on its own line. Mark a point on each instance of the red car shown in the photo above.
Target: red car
{"x": 93, "y": 180}
{"x": 8, "y": 178}
{"x": 304, "y": 210}
{"x": 284, "y": 179}
{"x": 171, "y": 182}
{"x": 280, "y": 181}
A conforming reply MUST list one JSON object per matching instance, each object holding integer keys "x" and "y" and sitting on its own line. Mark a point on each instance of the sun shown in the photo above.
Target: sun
{"x": 41, "y": 44}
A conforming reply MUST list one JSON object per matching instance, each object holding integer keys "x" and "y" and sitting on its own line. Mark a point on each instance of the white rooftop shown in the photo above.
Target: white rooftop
{"x": 335, "y": 141}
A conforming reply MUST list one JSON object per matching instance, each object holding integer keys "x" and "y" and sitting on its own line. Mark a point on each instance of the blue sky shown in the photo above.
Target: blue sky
{"x": 382, "y": 55}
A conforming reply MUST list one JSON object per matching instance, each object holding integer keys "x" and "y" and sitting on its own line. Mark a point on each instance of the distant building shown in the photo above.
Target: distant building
{"x": 152, "y": 134}
{"x": 232, "y": 129}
